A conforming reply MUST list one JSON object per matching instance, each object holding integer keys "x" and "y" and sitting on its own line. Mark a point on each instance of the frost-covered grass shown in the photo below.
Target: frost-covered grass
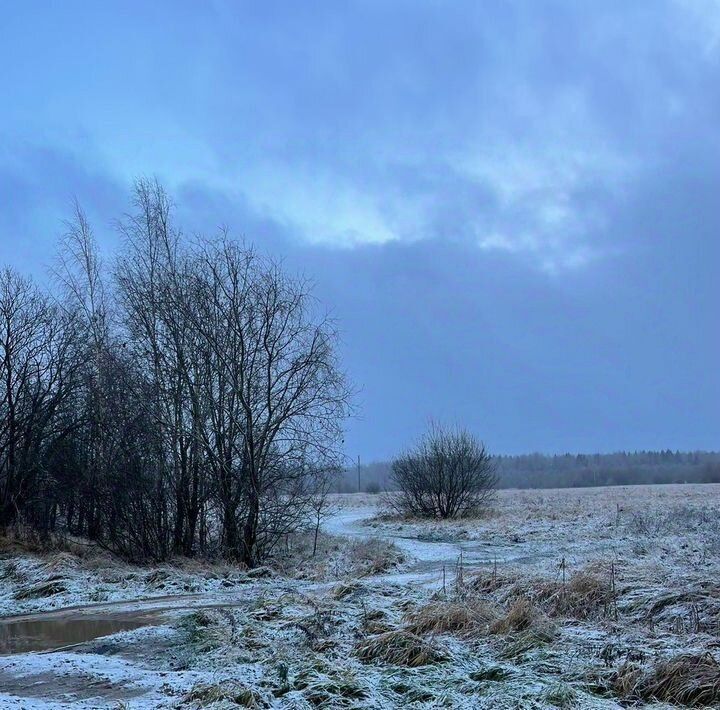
{"x": 56, "y": 580}
{"x": 573, "y": 599}
{"x": 45, "y": 581}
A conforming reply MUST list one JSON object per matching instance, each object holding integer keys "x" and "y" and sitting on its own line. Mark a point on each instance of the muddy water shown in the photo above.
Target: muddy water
{"x": 53, "y": 634}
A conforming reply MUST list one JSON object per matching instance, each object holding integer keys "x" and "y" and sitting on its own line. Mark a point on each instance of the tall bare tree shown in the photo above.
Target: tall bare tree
{"x": 36, "y": 372}
{"x": 276, "y": 393}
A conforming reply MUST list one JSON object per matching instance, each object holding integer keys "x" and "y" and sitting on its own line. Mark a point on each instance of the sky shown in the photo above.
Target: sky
{"x": 511, "y": 209}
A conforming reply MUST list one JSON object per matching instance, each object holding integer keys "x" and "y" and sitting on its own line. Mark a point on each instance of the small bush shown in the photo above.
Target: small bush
{"x": 449, "y": 474}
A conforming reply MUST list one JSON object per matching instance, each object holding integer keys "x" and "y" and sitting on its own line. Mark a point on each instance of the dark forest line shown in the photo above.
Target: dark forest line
{"x": 570, "y": 470}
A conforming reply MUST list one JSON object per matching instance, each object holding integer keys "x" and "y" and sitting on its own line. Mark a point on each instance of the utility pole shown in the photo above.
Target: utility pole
{"x": 358, "y": 474}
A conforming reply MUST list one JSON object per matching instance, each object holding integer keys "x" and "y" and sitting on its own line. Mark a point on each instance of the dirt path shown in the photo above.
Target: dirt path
{"x": 431, "y": 555}
{"x": 43, "y": 631}
{"x": 56, "y": 657}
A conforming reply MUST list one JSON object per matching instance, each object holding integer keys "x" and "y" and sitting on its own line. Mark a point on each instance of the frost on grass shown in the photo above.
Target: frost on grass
{"x": 228, "y": 693}
{"x": 686, "y": 679}
{"x": 337, "y": 558}
{"x": 399, "y": 648}
{"x": 598, "y": 599}
{"x": 54, "y": 580}
{"x": 43, "y": 581}
{"x": 458, "y": 616}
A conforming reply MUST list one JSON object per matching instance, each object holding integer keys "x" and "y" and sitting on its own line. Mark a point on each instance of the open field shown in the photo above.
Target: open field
{"x": 570, "y": 598}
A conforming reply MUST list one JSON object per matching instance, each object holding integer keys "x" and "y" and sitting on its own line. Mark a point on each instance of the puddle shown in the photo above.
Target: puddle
{"x": 53, "y": 634}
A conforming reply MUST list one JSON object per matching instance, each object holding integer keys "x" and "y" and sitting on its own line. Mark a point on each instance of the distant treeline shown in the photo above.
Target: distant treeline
{"x": 571, "y": 470}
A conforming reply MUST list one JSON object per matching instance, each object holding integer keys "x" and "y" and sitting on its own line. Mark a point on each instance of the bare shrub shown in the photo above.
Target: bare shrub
{"x": 449, "y": 474}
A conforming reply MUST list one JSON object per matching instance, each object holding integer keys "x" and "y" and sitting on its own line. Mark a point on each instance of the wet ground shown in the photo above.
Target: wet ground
{"x": 67, "y": 628}
{"x": 89, "y": 663}
{"x": 49, "y": 634}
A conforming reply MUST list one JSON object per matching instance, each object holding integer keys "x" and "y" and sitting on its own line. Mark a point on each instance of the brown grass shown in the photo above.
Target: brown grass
{"x": 491, "y": 582}
{"x": 205, "y": 695}
{"x": 690, "y": 680}
{"x": 586, "y": 595}
{"x": 373, "y": 556}
{"x": 399, "y": 648}
{"x": 345, "y": 589}
{"x": 522, "y": 615}
{"x": 457, "y": 616}
{"x": 40, "y": 590}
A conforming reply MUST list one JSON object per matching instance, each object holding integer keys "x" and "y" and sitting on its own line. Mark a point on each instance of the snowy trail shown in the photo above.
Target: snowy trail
{"x": 55, "y": 673}
{"x": 429, "y": 557}
{"x": 345, "y": 523}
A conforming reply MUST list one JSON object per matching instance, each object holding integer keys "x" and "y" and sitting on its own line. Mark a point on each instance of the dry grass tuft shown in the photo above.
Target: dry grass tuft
{"x": 40, "y": 590}
{"x": 522, "y": 615}
{"x": 60, "y": 562}
{"x": 373, "y": 556}
{"x": 489, "y": 583}
{"x": 204, "y": 694}
{"x": 627, "y": 680}
{"x": 400, "y": 648}
{"x": 525, "y": 627}
{"x": 586, "y": 595}
{"x": 207, "y": 630}
{"x": 376, "y": 621}
{"x": 330, "y": 690}
{"x": 689, "y": 680}
{"x": 346, "y": 589}
{"x": 457, "y": 616}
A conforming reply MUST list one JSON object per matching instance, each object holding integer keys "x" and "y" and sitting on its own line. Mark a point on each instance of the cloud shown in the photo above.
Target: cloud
{"x": 510, "y": 207}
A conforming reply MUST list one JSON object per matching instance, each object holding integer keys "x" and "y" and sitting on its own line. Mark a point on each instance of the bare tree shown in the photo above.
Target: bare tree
{"x": 275, "y": 393}
{"x": 447, "y": 475}
{"x": 36, "y": 374}
{"x": 153, "y": 278}
{"x": 79, "y": 273}
{"x": 320, "y": 501}
{"x": 201, "y": 406}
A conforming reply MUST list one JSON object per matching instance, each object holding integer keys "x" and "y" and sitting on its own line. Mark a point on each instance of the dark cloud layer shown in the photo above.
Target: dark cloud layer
{"x": 511, "y": 208}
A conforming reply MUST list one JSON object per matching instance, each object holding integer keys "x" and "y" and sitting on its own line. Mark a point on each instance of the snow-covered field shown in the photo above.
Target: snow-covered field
{"x": 571, "y": 598}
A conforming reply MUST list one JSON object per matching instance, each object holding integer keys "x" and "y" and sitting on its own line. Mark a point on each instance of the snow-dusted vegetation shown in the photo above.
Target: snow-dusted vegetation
{"x": 564, "y": 598}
